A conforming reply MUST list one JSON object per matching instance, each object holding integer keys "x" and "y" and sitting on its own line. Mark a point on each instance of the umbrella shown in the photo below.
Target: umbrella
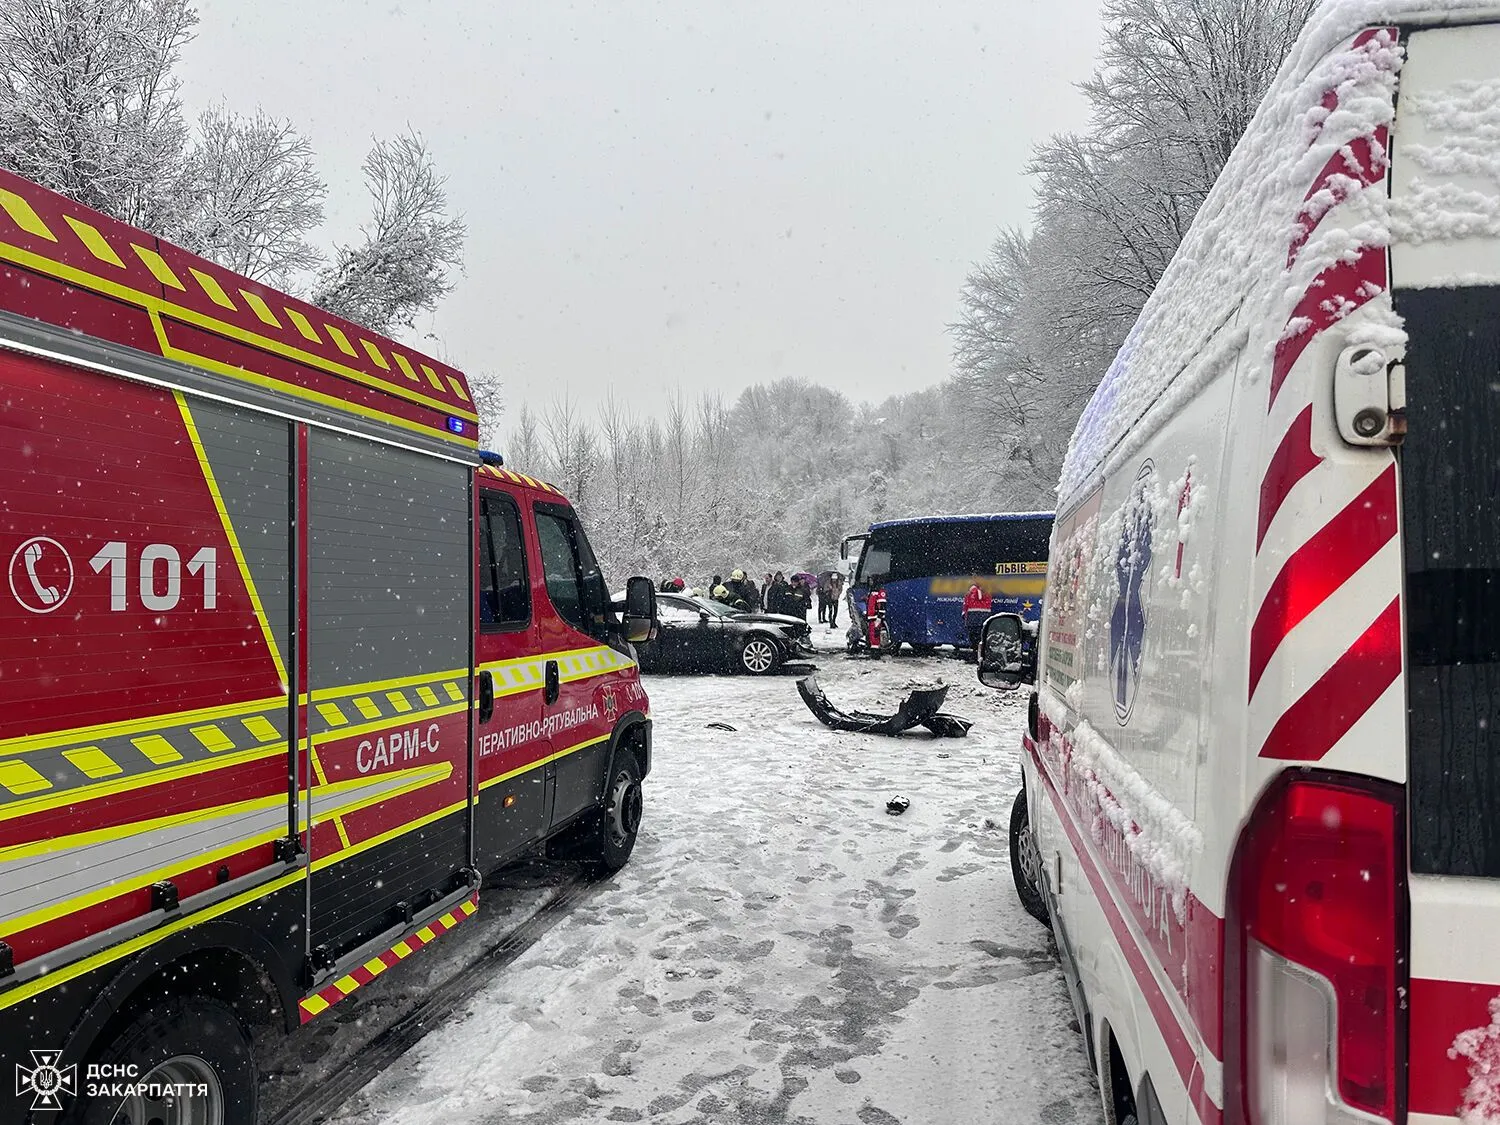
{"x": 803, "y": 576}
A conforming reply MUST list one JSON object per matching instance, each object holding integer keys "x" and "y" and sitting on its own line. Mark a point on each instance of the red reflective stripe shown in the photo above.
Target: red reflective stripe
{"x": 1333, "y": 295}
{"x": 1294, "y": 459}
{"x": 1320, "y": 566}
{"x": 1361, "y": 163}
{"x": 1440, "y": 1009}
{"x": 1311, "y": 726}
{"x": 1184, "y": 1057}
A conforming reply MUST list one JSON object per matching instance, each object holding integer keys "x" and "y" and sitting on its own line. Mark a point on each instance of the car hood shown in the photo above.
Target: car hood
{"x": 770, "y": 619}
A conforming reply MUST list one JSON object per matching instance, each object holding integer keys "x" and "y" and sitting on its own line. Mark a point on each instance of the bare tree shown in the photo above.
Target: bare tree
{"x": 524, "y": 446}
{"x": 411, "y": 245}
{"x": 252, "y": 196}
{"x": 488, "y": 392}
{"x": 89, "y": 106}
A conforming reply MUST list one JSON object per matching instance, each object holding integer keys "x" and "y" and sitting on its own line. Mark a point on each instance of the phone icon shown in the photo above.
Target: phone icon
{"x": 48, "y": 594}
{"x": 41, "y": 574}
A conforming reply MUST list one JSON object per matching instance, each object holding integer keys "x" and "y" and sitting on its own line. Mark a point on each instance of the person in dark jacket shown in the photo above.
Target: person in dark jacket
{"x": 778, "y": 595}
{"x": 740, "y": 586}
{"x": 835, "y": 592}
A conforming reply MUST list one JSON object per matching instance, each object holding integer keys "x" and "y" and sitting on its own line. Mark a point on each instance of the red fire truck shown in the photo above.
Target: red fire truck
{"x": 285, "y": 665}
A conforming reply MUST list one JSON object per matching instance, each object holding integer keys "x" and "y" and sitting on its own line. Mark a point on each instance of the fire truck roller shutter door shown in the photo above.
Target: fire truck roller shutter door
{"x": 389, "y": 623}
{"x": 149, "y": 742}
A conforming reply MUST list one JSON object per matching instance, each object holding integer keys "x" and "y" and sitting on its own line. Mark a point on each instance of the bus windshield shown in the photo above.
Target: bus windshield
{"x": 951, "y": 548}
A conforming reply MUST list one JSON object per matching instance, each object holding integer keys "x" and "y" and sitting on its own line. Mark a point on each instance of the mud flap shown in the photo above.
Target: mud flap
{"x": 919, "y": 709}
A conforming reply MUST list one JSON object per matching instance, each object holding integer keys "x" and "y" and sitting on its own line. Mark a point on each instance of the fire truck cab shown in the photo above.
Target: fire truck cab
{"x": 286, "y": 665}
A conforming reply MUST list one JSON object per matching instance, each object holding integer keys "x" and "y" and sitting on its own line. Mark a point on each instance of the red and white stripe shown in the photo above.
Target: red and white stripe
{"x": 1325, "y": 642}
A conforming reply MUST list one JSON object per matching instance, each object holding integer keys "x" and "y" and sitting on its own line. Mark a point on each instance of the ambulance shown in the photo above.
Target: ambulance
{"x": 1261, "y": 803}
{"x": 286, "y": 666}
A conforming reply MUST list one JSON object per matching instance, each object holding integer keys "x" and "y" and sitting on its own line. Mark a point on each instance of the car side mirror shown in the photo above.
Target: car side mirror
{"x": 640, "y": 610}
{"x": 1004, "y": 661}
{"x": 703, "y": 616}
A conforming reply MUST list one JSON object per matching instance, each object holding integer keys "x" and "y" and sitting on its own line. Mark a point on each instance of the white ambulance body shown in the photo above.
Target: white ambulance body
{"x": 1263, "y": 778}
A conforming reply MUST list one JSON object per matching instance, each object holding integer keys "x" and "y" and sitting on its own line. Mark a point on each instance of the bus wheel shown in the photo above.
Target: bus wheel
{"x": 1026, "y": 861}
{"x": 178, "y": 1043}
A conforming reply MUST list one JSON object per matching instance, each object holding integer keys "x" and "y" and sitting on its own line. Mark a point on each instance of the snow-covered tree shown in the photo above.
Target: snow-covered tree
{"x": 410, "y": 247}
{"x": 252, "y": 196}
{"x": 1043, "y": 315}
{"x": 89, "y": 105}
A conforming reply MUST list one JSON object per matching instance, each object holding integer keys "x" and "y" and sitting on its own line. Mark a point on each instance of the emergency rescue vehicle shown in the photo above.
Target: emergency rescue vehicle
{"x": 1261, "y": 804}
{"x": 286, "y": 665}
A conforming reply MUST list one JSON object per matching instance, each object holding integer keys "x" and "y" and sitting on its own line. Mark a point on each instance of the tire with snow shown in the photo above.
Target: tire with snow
{"x": 1026, "y": 861}
{"x": 759, "y": 655}
{"x": 603, "y": 840}
{"x": 179, "y": 1041}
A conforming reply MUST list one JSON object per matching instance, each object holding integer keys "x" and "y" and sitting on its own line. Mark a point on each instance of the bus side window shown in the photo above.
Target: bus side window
{"x": 504, "y": 593}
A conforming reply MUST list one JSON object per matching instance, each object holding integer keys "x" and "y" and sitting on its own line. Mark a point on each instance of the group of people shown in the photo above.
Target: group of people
{"x": 792, "y": 597}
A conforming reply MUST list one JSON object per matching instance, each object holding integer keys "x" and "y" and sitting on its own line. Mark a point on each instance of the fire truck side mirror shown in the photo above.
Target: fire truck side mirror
{"x": 640, "y": 610}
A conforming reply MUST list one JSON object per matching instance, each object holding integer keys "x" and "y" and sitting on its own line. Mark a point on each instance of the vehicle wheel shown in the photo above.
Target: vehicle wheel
{"x": 189, "y": 1041}
{"x": 759, "y": 656}
{"x": 1026, "y": 861}
{"x": 620, "y": 819}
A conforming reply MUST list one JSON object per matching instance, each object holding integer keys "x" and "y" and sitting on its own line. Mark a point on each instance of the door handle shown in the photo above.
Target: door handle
{"x": 554, "y": 683}
{"x": 486, "y": 697}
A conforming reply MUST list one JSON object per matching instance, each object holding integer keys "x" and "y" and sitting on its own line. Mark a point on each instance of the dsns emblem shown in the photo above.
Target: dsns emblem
{"x": 1127, "y": 625}
{"x": 46, "y": 1081}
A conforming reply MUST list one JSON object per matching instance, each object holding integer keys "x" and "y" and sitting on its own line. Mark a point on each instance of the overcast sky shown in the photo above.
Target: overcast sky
{"x": 684, "y": 194}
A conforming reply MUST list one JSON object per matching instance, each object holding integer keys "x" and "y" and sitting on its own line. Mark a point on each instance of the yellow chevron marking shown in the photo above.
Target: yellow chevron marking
{"x": 367, "y": 707}
{"x": 260, "y": 728}
{"x": 426, "y": 934}
{"x": 304, "y": 326}
{"x": 158, "y": 267}
{"x": 143, "y": 725}
{"x": 399, "y": 701}
{"x": 458, "y": 388}
{"x": 346, "y": 985}
{"x": 401, "y": 950}
{"x": 214, "y": 740}
{"x": 338, "y": 337}
{"x": 338, "y": 825}
{"x": 93, "y": 241}
{"x": 427, "y": 696}
{"x": 211, "y": 286}
{"x": 332, "y": 715}
{"x": 314, "y": 1005}
{"x": 23, "y": 216}
{"x": 229, "y": 533}
{"x": 469, "y": 907}
{"x": 94, "y": 762}
{"x": 455, "y": 692}
{"x": 259, "y": 307}
{"x": 374, "y": 966}
{"x": 432, "y": 377}
{"x": 157, "y": 749}
{"x": 405, "y": 365}
{"x": 375, "y": 354}
{"x": 21, "y": 778}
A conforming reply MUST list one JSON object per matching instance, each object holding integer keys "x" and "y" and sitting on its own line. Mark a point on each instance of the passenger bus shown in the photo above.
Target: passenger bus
{"x": 927, "y": 565}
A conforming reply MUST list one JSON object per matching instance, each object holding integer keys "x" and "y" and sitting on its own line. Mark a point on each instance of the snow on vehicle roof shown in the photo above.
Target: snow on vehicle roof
{"x": 1234, "y": 261}
{"x": 915, "y": 521}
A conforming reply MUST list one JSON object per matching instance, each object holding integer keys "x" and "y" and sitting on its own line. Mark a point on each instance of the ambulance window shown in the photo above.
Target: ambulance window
{"x": 560, "y": 567}
{"x": 504, "y": 594}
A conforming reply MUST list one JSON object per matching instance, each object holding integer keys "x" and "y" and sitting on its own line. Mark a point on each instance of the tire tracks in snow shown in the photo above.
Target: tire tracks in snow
{"x": 325, "y": 1098}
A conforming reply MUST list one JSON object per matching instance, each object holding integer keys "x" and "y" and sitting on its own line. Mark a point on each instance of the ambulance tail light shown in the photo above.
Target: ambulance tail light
{"x": 1316, "y": 965}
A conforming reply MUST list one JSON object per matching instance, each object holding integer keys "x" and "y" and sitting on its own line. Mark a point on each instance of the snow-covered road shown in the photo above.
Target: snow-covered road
{"x": 780, "y": 948}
